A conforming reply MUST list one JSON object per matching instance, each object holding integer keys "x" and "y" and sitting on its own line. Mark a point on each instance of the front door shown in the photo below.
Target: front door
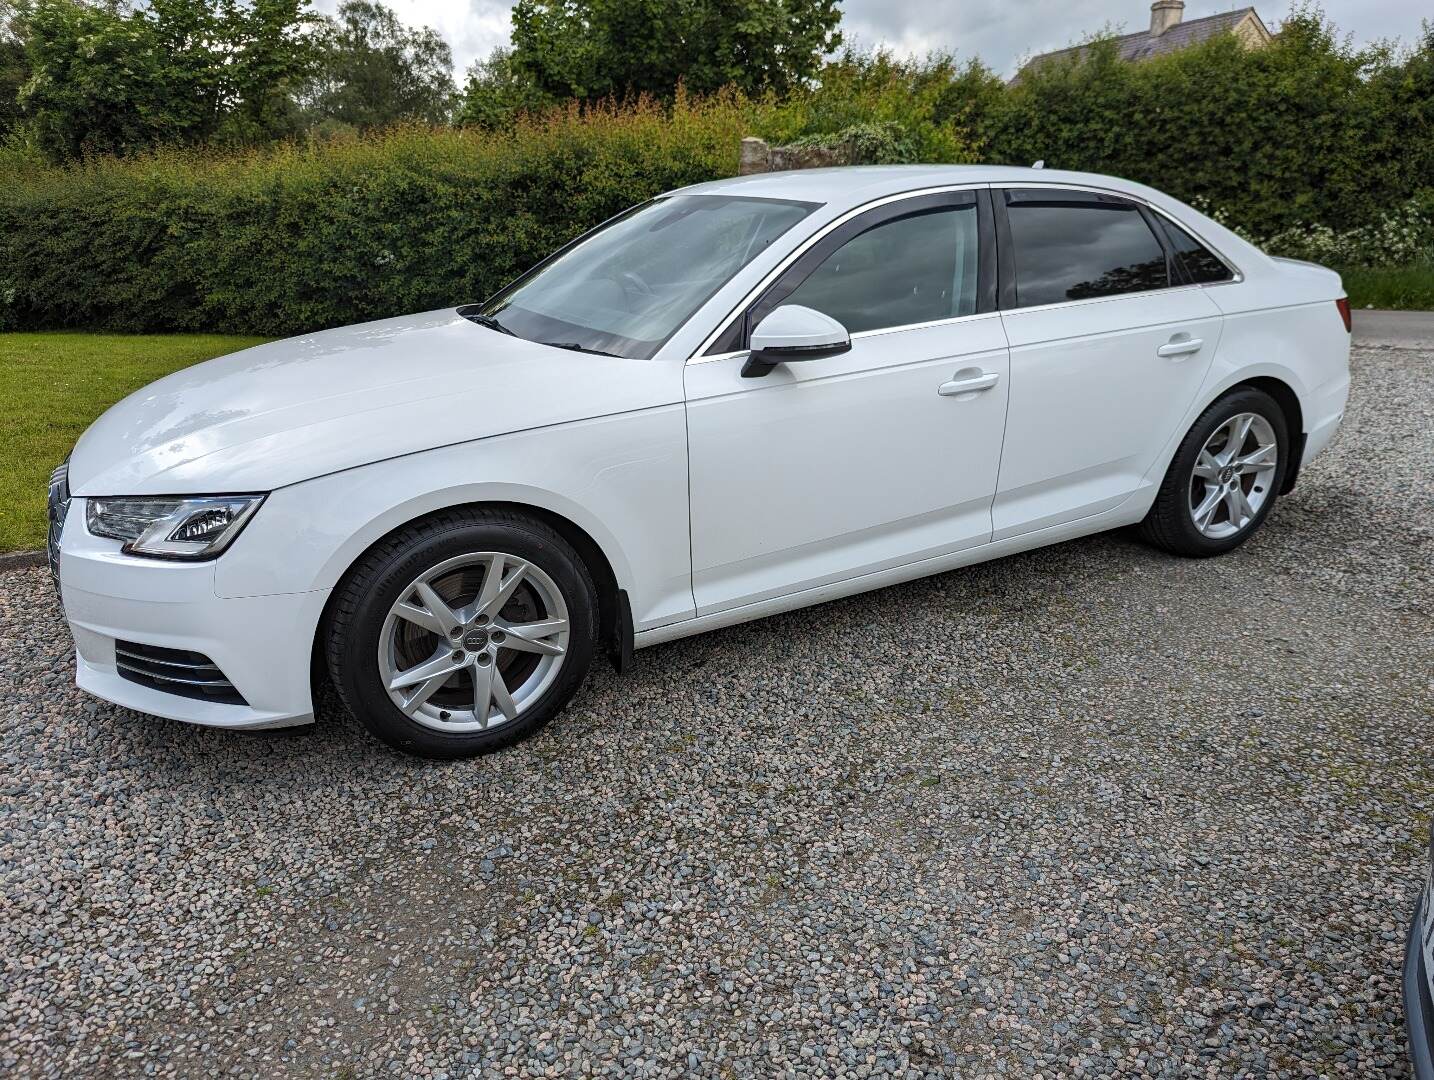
{"x": 828, "y": 469}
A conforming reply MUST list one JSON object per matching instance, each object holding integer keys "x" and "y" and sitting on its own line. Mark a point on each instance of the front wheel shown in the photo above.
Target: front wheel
{"x": 463, "y": 633}
{"x": 1224, "y": 478}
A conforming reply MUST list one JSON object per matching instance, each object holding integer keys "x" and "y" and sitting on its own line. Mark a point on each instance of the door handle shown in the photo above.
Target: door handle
{"x": 1180, "y": 348}
{"x": 968, "y": 384}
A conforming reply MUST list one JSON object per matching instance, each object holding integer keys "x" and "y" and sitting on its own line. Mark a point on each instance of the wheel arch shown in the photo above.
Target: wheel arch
{"x": 1289, "y": 402}
{"x": 1280, "y": 383}
{"x": 615, "y": 626}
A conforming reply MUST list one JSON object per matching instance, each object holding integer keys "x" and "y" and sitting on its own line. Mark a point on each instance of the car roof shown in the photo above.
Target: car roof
{"x": 854, "y": 184}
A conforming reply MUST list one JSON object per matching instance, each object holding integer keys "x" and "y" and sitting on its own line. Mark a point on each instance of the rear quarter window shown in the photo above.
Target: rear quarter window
{"x": 1201, "y": 265}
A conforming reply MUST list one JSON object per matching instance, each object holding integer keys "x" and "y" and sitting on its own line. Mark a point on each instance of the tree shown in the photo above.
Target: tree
{"x": 496, "y": 90}
{"x": 270, "y": 53}
{"x": 14, "y": 67}
{"x": 376, "y": 71}
{"x": 107, "y": 80}
{"x": 587, "y": 49}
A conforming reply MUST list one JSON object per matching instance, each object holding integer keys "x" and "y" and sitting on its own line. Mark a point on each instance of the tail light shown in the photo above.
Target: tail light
{"x": 1343, "y": 304}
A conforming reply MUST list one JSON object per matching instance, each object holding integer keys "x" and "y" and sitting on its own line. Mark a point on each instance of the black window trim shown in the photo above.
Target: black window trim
{"x": 1153, "y": 216}
{"x": 1165, "y": 219}
{"x": 800, "y": 264}
{"x": 1175, "y": 272}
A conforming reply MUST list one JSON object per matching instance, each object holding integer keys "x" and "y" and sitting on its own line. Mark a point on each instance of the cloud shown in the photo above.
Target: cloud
{"x": 472, "y": 28}
{"x": 1002, "y": 33}
{"x": 998, "y": 31}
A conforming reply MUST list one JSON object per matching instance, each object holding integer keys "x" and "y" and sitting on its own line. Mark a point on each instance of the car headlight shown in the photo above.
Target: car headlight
{"x": 171, "y": 527}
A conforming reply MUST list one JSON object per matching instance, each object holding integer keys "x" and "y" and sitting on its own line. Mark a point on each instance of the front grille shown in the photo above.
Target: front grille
{"x": 175, "y": 671}
{"x": 57, "y": 506}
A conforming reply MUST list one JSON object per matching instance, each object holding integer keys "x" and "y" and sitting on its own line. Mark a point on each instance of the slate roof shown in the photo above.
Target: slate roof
{"x": 1143, "y": 45}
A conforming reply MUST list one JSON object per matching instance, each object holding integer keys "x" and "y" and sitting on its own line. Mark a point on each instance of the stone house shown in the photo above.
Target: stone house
{"x": 1169, "y": 32}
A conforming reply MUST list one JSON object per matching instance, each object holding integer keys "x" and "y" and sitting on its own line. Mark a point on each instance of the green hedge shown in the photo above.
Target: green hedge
{"x": 1307, "y": 131}
{"x": 281, "y": 242}
{"x": 1303, "y": 136}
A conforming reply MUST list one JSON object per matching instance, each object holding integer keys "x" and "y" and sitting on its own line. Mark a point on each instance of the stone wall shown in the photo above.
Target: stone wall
{"x": 760, "y": 157}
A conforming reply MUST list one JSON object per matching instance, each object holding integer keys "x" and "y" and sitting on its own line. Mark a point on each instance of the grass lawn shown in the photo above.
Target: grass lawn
{"x": 52, "y": 386}
{"x": 1399, "y": 288}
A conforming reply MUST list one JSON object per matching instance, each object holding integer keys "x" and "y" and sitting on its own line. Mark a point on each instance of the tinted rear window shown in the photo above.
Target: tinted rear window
{"x": 1081, "y": 247}
{"x": 1202, "y": 266}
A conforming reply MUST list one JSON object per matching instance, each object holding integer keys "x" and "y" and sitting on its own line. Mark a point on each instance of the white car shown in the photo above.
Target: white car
{"x": 737, "y": 399}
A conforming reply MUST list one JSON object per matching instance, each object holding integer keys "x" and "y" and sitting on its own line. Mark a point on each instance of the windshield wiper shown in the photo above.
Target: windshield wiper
{"x": 490, "y": 322}
{"x": 575, "y": 347}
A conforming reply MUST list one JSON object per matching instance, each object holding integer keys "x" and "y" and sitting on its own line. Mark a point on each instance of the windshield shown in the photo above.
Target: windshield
{"x": 626, "y": 288}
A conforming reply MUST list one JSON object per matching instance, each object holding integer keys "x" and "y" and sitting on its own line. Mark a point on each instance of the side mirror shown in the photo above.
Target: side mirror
{"x": 790, "y": 333}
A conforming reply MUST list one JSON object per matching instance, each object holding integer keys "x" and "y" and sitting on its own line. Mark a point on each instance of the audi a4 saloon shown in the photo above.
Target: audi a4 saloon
{"x": 736, "y": 399}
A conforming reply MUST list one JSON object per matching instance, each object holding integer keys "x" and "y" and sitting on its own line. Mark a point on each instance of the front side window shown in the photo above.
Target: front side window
{"x": 915, "y": 269}
{"x": 628, "y": 287}
{"x": 1075, "y": 247}
{"x": 1202, "y": 266}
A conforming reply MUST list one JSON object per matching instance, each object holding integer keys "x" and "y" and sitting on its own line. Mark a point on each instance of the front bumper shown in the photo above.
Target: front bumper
{"x": 1418, "y": 1006}
{"x": 262, "y": 644}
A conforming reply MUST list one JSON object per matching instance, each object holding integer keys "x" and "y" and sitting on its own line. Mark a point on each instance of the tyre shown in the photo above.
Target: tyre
{"x": 462, "y": 633}
{"x": 1224, "y": 478}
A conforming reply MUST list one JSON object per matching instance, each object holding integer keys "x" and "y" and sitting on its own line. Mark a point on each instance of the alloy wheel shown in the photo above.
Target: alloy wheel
{"x": 473, "y": 643}
{"x": 1233, "y": 475}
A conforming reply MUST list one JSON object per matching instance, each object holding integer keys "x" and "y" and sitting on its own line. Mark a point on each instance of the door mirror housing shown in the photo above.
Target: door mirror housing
{"x": 791, "y": 333}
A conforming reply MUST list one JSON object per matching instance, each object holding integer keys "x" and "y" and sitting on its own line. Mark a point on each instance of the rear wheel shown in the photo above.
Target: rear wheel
{"x": 464, "y": 633}
{"x": 1224, "y": 478}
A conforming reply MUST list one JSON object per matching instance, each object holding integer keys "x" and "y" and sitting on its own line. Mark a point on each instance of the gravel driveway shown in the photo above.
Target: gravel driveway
{"x": 1086, "y": 811}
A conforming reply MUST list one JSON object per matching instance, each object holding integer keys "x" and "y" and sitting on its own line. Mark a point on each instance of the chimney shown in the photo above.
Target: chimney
{"x": 1164, "y": 14}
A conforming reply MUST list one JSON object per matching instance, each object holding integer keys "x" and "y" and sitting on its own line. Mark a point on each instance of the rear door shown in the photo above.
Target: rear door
{"x": 1109, "y": 345}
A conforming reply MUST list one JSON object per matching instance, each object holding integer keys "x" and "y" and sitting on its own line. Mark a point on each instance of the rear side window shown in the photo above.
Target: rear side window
{"x": 1202, "y": 266}
{"x": 915, "y": 269}
{"x": 1070, "y": 246}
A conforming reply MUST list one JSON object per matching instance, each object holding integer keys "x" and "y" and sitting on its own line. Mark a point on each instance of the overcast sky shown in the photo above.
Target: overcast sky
{"x": 999, "y": 31}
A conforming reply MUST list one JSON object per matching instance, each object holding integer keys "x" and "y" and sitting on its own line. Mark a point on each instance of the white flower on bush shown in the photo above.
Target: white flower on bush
{"x": 1401, "y": 236}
